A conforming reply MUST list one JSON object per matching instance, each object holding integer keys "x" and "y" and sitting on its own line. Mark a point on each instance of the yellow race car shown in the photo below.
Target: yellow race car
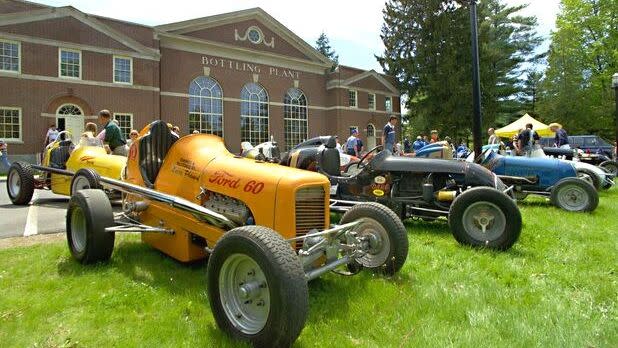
{"x": 67, "y": 166}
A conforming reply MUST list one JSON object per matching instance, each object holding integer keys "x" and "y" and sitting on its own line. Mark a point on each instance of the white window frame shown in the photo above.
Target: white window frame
{"x": 114, "y": 69}
{"x": 267, "y": 117}
{"x": 81, "y": 63}
{"x": 124, "y": 114}
{"x": 391, "y": 102}
{"x": 221, "y": 99}
{"x": 18, "y": 57}
{"x": 21, "y": 126}
{"x": 370, "y": 107}
{"x": 291, "y": 119}
{"x": 355, "y": 106}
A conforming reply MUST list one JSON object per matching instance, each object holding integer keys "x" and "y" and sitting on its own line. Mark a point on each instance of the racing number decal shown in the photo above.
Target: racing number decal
{"x": 254, "y": 187}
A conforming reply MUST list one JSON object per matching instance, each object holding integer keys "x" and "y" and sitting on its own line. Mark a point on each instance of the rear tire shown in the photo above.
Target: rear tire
{"x": 485, "y": 217}
{"x": 390, "y": 249}
{"x": 610, "y": 166}
{"x": 20, "y": 183}
{"x": 573, "y": 194}
{"x": 257, "y": 287}
{"x": 89, "y": 213}
{"x": 590, "y": 177}
{"x": 85, "y": 179}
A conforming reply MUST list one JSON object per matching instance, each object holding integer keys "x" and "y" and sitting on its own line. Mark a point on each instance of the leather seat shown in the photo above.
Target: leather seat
{"x": 329, "y": 158}
{"x": 59, "y": 156}
{"x": 153, "y": 148}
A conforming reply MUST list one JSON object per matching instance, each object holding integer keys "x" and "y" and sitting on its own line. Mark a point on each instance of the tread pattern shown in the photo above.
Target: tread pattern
{"x": 26, "y": 189}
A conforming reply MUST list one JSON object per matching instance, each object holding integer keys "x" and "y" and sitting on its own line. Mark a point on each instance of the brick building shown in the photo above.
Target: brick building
{"x": 241, "y": 75}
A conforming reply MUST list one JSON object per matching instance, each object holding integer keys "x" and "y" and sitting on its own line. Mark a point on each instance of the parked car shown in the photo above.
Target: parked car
{"x": 473, "y": 199}
{"x": 596, "y": 159}
{"x": 66, "y": 168}
{"x": 591, "y": 144}
{"x": 265, "y": 229}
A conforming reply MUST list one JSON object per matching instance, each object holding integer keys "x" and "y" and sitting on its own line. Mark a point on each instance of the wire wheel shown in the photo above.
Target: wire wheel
{"x": 484, "y": 221}
{"x": 245, "y": 294}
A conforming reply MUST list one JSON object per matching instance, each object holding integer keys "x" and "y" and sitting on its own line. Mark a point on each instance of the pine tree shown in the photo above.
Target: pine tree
{"x": 322, "y": 44}
{"x": 427, "y": 47}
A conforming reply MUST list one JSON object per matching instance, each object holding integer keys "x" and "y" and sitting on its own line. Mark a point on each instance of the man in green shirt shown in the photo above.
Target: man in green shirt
{"x": 113, "y": 135}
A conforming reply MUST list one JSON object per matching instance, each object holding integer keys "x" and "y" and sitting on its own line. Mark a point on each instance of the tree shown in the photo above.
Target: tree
{"x": 322, "y": 44}
{"x": 427, "y": 47}
{"x": 582, "y": 57}
{"x": 530, "y": 93}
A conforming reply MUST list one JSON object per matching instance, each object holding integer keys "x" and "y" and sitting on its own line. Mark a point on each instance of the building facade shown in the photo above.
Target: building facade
{"x": 241, "y": 75}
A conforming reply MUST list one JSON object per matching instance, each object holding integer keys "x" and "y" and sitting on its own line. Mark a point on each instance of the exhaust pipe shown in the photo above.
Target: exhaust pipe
{"x": 203, "y": 214}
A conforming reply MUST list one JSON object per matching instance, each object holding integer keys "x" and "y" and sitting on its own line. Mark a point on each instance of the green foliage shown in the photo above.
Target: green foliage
{"x": 582, "y": 58}
{"x": 427, "y": 47}
{"x": 556, "y": 288}
{"x": 322, "y": 44}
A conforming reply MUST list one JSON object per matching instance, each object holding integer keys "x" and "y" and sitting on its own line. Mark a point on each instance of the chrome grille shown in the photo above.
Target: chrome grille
{"x": 309, "y": 211}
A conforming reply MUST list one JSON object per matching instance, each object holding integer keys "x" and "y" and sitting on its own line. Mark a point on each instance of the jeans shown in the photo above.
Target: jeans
{"x": 389, "y": 146}
{"x": 122, "y": 150}
{"x": 4, "y": 161}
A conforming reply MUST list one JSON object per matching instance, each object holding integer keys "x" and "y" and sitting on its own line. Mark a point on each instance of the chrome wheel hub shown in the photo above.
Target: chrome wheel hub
{"x": 377, "y": 238}
{"x": 244, "y": 293}
{"x": 484, "y": 221}
{"x": 14, "y": 183}
{"x": 78, "y": 230}
{"x": 573, "y": 198}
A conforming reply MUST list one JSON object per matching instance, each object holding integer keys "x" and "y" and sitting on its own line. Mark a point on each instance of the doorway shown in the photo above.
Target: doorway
{"x": 70, "y": 117}
{"x": 371, "y": 136}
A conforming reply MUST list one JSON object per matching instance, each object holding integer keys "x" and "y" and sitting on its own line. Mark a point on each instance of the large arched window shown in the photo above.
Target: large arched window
{"x": 205, "y": 106}
{"x": 295, "y": 117}
{"x": 254, "y": 114}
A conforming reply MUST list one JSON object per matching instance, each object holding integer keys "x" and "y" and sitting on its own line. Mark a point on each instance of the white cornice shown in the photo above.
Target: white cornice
{"x": 68, "y": 11}
{"x": 76, "y": 46}
{"x": 77, "y": 81}
{"x": 257, "y": 13}
{"x": 371, "y": 73}
{"x": 211, "y": 48}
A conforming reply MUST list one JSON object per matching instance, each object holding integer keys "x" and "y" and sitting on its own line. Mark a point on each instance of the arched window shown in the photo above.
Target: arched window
{"x": 295, "y": 117}
{"x": 69, "y": 110}
{"x": 253, "y": 114}
{"x": 205, "y": 106}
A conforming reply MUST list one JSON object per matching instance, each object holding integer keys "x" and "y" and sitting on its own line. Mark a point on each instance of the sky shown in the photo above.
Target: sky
{"x": 353, "y": 26}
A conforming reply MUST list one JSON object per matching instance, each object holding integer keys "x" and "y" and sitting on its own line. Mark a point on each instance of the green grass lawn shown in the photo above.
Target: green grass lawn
{"x": 557, "y": 287}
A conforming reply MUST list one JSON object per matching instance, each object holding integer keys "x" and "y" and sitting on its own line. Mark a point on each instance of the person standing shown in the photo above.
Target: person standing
{"x": 561, "y": 139}
{"x": 493, "y": 138}
{"x": 434, "y": 136}
{"x": 351, "y": 144}
{"x": 133, "y": 135}
{"x": 407, "y": 145}
{"x": 52, "y": 134}
{"x": 338, "y": 145}
{"x": 425, "y": 140}
{"x": 359, "y": 144}
{"x": 418, "y": 144}
{"x": 527, "y": 139}
{"x": 113, "y": 136}
{"x": 4, "y": 160}
{"x": 388, "y": 134}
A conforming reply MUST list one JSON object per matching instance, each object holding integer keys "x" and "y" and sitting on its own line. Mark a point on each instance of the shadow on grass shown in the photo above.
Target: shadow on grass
{"x": 329, "y": 299}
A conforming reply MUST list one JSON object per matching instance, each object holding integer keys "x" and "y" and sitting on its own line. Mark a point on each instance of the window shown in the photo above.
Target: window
{"x": 205, "y": 106}
{"x": 10, "y": 58}
{"x": 10, "y": 123}
{"x": 371, "y": 101}
{"x": 123, "y": 70}
{"x": 70, "y": 64}
{"x": 125, "y": 123}
{"x": 371, "y": 130}
{"x": 69, "y": 110}
{"x": 295, "y": 117}
{"x": 388, "y": 104}
{"x": 352, "y": 100}
{"x": 253, "y": 114}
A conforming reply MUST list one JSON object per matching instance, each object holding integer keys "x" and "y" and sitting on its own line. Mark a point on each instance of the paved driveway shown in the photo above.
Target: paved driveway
{"x": 44, "y": 215}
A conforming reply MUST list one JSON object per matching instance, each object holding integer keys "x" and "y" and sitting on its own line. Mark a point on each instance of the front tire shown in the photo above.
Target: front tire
{"x": 257, "y": 287}
{"x": 573, "y": 194}
{"x": 610, "y": 166}
{"x": 85, "y": 179}
{"x": 485, "y": 217}
{"x": 388, "y": 239}
{"x": 89, "y": 213}
{"x": 20, "y": 183}
{"x": 590, "y": 177}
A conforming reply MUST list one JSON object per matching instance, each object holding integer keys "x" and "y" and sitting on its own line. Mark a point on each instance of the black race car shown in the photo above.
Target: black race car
{"x": 480, "y": 209}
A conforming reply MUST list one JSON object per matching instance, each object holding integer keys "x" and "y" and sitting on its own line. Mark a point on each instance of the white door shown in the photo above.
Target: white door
{"x": 371, "y": 136}
{"x": 70, "y": 117}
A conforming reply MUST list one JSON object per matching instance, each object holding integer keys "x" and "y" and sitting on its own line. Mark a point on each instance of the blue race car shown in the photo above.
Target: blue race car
{"x": 546, "y": 177}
